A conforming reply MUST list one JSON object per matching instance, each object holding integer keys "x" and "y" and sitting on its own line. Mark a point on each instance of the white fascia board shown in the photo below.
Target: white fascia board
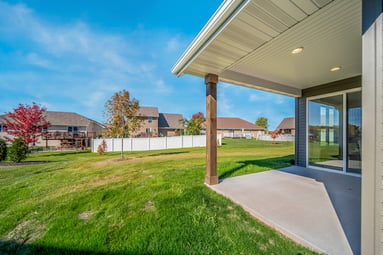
{"x": 221, "y": 18}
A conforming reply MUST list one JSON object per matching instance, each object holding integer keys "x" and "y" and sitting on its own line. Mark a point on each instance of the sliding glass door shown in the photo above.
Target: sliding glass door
{"x": 334, "y": 132}
{"x": 326, "y": 132}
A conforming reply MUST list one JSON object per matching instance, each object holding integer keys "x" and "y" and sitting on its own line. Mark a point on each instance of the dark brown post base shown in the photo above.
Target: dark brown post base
{"x": 211, "y": 180}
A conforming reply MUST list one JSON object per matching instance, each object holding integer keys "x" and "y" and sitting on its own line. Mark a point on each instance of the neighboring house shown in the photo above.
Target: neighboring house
{"x": 149, "y": 124}
{"x": 68, "y": 129}
{"x": 287, "y": 126}
{"x": 156, "y": 124}
{"x": 328, "y": 56}
{"x": 236, "y": 128}
{"x": 170, "y": 124}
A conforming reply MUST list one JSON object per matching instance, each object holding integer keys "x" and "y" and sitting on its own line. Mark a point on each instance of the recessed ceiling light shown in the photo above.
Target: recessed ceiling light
{"x": 336, "y": 68}
{"x": 297, "y": 50}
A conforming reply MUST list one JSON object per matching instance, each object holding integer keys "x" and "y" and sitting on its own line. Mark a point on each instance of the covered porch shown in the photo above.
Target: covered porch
{"x": 327, "y": 54}
{"x": 318, "y": 209}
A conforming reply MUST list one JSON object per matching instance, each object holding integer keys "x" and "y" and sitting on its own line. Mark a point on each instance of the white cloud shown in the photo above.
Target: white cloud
{"x": 35, "y": 59}
{"x": 253, "y": 98}
{"x": 72, "y": 65}
{"x": 161, "y": 87}
{"x": 173, "y": 44}
{"x": 224, "y": 105}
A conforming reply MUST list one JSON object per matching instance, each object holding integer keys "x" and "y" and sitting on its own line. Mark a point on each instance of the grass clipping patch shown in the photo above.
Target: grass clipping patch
{"x": 25, "y": 233}
{"x": 85, "y": 215}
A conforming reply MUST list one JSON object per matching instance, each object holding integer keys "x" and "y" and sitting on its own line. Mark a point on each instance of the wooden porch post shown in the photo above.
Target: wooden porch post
{"x": 211, "y": 177}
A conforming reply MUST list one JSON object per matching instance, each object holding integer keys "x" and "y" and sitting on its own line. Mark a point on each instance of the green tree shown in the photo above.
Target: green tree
{"x": 262, "y": 122}
{"x": 18, "y": 150}
{"x": 122, "y": 116}
{"x": 194, "y": 125}
{"x": 3, "y": 150}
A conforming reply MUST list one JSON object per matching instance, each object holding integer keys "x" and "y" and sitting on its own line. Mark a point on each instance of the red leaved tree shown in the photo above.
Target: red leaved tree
{"x": 27, "y": 122}
{"x": 274, "y": 134}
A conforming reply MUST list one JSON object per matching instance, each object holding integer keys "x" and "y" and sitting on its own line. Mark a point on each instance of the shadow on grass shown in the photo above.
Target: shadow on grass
{"x": 22, "y": 163}
{"x": 65, "y": 153}
{"x": 269, "y": 163}
{"x": 166, "y": 153}
{"x": 13, "y": 247}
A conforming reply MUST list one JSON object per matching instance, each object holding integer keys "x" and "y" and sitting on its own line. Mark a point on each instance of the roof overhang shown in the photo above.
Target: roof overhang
{"x": 249, "y": 43}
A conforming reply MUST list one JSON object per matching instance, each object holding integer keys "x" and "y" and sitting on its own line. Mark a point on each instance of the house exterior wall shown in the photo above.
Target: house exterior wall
{"x": 167, "y": 132}
{"x": 145, "y": 124}
{"x": 40, "y": 141}
{"x": 372, "y": 128}
{"x": 93, "y": 128}
{"x": 235, "y": 133}
{"x": 287, "y": 131}
{"x": 55, "y": 128}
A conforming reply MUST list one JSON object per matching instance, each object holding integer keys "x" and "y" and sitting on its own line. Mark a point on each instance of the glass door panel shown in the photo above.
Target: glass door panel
{"x": 354, "y": 132}
{"x": 325, "y": 128}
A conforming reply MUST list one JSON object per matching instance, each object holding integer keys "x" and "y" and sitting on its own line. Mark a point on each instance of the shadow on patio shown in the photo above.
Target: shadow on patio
{"x": 265, "y": 164}
{"x": 318, "y": 209}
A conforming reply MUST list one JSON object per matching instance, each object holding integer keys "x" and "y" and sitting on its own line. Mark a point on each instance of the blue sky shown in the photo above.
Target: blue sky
{"x": 73, "y": 55}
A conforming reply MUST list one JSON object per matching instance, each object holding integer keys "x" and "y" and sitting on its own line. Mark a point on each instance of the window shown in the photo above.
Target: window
{"x": 3, "y": 128}
{"x": 72, "y": 129}
{"x": 150, "y": 119}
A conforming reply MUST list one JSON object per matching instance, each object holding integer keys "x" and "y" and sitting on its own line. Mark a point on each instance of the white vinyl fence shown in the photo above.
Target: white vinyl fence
{"x": 153, "y": 143}
{"x": 280, "y": 138}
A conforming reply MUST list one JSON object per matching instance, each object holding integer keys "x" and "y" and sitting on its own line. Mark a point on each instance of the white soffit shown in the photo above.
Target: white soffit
{"x": 254, "y": 47}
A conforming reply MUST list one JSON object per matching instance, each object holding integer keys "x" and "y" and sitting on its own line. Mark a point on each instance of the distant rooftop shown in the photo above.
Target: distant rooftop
{"x": 65, "y": 119}
{"x": 287, "y": 123}
{"x": 148, "y": 111}
{"x": 170, "y": 121}
{"x": 235, "y": 123}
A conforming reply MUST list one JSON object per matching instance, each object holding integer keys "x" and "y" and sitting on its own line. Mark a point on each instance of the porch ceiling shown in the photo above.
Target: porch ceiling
{"x": 249, "y": 43}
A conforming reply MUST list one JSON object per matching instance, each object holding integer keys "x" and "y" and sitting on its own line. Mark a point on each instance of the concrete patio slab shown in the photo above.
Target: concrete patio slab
{"x": 304, "y": 204}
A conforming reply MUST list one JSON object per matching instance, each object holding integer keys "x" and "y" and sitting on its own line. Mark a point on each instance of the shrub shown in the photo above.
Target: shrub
{"x": 18, "y": 151}
{"x": 101, "y": 149}
{"x": 3, "y": 150}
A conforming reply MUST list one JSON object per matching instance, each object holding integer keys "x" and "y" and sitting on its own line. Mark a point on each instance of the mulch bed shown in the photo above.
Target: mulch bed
{"x": 26, "y": 163}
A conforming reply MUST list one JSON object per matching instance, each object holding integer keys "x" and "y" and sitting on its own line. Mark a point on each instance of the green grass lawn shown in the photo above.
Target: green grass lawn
{"x": 154, "y": 202}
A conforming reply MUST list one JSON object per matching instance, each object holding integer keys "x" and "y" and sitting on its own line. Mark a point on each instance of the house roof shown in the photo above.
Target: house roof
{"x": 68, "y": 119}
{"x": 65, "y": 119}
{"x": 234, "y": 123}
{"x": 170, "y": 121}
{"x": 287, "y": 123}
{"x": 249, "y": 43}
{"x": 148, "y": 111}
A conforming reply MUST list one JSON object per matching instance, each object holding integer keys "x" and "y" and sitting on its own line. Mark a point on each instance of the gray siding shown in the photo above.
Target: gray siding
{"x": 336, "y": 86}
{"x": 300, "y": 134}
